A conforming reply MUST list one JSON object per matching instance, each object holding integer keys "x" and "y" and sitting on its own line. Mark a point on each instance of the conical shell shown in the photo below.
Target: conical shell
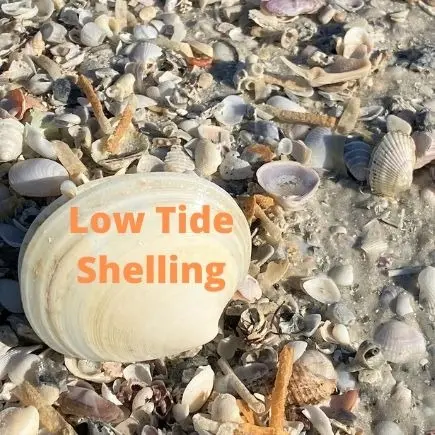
{"x": 178, "y": 161}
{"x": 392, "y": 164}
{"x": 426, "y": 281}
{"x": 309, "y": 383}
{"x": 357, "y": 158}
{"x": 400, "y": 343}
{"x": 11, "y": 134}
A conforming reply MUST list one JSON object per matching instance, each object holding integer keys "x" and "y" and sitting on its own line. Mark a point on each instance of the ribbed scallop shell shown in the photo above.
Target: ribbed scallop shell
{"x": 426, "y": 281}
{"x": 178, "y": 161}
{"x": 357, "y": 158}
{"x": 37, "y": 177}
{"x": 392, "y": 164}
{"x": 11, "y": 134}
{"x": 400, "y": 343}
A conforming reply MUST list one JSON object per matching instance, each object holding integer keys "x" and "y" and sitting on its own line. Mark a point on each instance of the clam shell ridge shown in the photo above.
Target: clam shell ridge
{"x": 357, "y": 159}
{"x": 117, "y": 322}
{"x": 392, "y": 164}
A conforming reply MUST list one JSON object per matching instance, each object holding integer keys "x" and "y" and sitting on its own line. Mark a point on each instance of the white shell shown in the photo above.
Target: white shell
{"x": 318, "y": 419}
{"x": 394, "y": 123}
{"x": 138, "y": 372}
{"x": 426, "y": 281}
{"x": 357, "y": 158}
{"x": 68, "y": 188}
{"x": 392, "y": 164}
{"x": 224, "y": 409}
{"x": 354, "y": 38}
{"x": 400, "y": 343}
{"x": 20, "y": 421}
{"x": 285, "y": 103}
{"x": 92, "y": 35}
{"x": 10, "y": 297}
{"x": 178, "y": 161}
{"x": 122, "y": 88}
{"x": 150, "y": 163}
{"x": 11, "y": 145}
{"x": 299, "y": 348}
{"x": 37, "y": 177}
{"x": 180, "y": 412}
{"x": 290, "y": 183}
{"x": 404, "y": 304}
{"x": 207, "y": 157}
{"x": 198, "y": 390}
{"x": 318, "y": 364}
{"x": 146, "y": 52}
{"x": 53, "y": 33}
{"x": 231, "y": 110}
{"x": 24, "y": 369}
{"x": 34, "y": 139}
{"x": 88, "y": 370}
{"x": 322, "y": 289}
{"x": 63, "y": 312}
{"x": 233, "y": 168}
{"x": 342, "y": 275}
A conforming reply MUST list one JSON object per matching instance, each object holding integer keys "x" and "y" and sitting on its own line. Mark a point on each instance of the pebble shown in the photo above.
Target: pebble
{"x": 65, "y": 91}
{"x": 223, "y": 52}
{"x": 394, "y": 123}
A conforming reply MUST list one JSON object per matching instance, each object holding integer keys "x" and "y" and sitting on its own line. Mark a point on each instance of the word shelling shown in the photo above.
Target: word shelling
{"x": 159, "y": 268}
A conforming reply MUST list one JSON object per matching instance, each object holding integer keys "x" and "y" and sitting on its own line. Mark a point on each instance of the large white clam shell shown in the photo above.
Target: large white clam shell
{"x": 129, "y": 322}
{"x": 400, "y": 343}
{"x": 37, "y": 177}
{"x": 426, "y": 281}
{"x": 290, "y": 183}
{"x": 392, "y": 164}
{"x": 11, "y": 134}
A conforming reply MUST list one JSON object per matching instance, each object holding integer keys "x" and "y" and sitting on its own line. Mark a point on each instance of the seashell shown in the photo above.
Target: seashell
{"x": 285, "y": 103}
{"x": 92, "y": 35}
{"x": 89, "y": 370}
{"x": 387, "y": 428}
{"x": 177, "y": 160}
{"x": 284, "y": 147}
{"x": 66, "y": 120}
{"x": 53, "y": 33}
{"x": 34, "y": 139}
{"x": 11, "y": 132}
{"x": 25, "y": 369}
{"x": 11, "y": 235}
{"x": 313, "y": 379}
{"x": 392, "y": 164}
{"x": 20, "y": 421}
{"x": 198, "y": 390}
{"x": 299, "y": 347}
{"x": 250, "y": 290}
{"x": 425, "y": 147}
{"x": 224, "y": 409}
{"x": 20, "y": 10}
{"x": 68, "y": 189}
{"x": 39, "y": 84}
{"x": 342, "y": 275}
{"x": 213, "y": 133}
{"x": 10, "y": 295}
{"x": 142, "y": 332}
{"x": 228, "y": 346}
{"x": 368, "y": 356}
{"x": 356, "y": 157}
{"x": 426, "y": 282}
{"x": 143, "y": 32}
{"x": 148, "y": 13}
{"x": 138, "y": 372}
{"x": 207, "y": 157}
{"x": 149, "y": 163}
{"x": 394, "y": 123}
{"x": 122, "y": 88}
{"x": 234, "y": 168}
{"x": 322, "y": 289}
{"x": 201, "y": 48}
{"x": 404, "y": 304}
{"x": 353, "y": 39}
{"x": 145, "y": 52}
{"x": 373, "y": 241}
{"x": 231, "y": 111}
{"x": 318, "y": 419}
{"x": 290, "y": 183}
{"x": 326, "y": 148}
{"x": 369, "y": 113}
{"x": 292, "y": 8}
{"x": 300, "y": 152}
{"x": 400, "y": 343}
{"x": 340, "y": 313}
{"x": 37, "y": 177}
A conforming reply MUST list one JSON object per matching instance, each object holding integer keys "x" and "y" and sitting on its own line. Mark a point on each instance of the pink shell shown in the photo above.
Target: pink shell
{"x": 292, "y": 8}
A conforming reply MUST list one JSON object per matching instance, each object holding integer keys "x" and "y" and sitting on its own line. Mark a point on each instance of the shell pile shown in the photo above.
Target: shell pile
{"x": 311, "y": 123}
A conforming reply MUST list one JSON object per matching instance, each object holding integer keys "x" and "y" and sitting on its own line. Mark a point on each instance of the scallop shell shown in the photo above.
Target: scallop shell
{"x": 11, "y": 132}
{"x": 290, "y": 183}
{"x": 285, "y": 103}
{"x": 178, "y": 161}
{"x": 34, "y": 139}
{"x": 426, "y": 281}
{"x": 23, "y": 421}
{"x": 342, "y": 275}
{"x": 37, "y": 177}
{"x": 357, "y": 158}
{"x": 400, "y": 343}
{"x": 92, "y": 35}
{"x": 198, "y": 390}
{"x": 233, "y": 168}
{"x": 231, "y": 111}
{"x": 147, "y": 326}
{"x": 207, "y": 157}
{"x": 392, "y": 164}
{"x": 145, "y": 52}
{"x": 313, "y": 379}
{"x": 322, "y": 289}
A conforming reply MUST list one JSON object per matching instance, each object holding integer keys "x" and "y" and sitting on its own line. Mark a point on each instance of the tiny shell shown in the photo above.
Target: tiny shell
{"x": 92, "y": 35}
{"x": 426, "y": 281}
{"x": 400, "y": 342}
{"x": 24, "y": 369}
{"x": 34, "y": 138}
{"x": 231, "y": 110}
{"x": 290, "y": 183}
{"x": 342, "y": 275}
{"x": 354, "y": 38}
{"x": 122, "y": 88}
{"x": 150, "y": 163}
{"x": 322, "y": 289}
{"x": 392, "y": 164}
{"x": 138, "y": 372}
{"x": 198, "y": 389}
{"x": 340, "y": 313}
{"x": 37, "y": 177}
{"x": 20, "y": 421}
{"x": 357, "y": 158}
{"x": 369, "y": 355}
{"x": 234, "y": 168}
{"x": 285, "y": 103}
{"x": 207, "y": 157}
{"x": 299, "y": 347}
{"x": 52, "y": 32}
{"x": 404, "y": 304}
{"x": 145, "y": 52}
{"x": 224, "y": 409}
{"x": 318, "y": 419}
{"x": 177, "y": 160}
{"x": 68, "y": 188}
{"x": 11, "y": 132}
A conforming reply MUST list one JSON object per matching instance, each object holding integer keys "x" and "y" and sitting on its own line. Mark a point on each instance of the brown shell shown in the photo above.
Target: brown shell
{"x": 305, "y": 388}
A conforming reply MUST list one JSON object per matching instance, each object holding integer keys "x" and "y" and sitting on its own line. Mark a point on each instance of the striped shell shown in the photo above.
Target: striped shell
{"x": 357, "y": 158}
{"x": 392, "y": 164}
{"x": 11, "y": 145}
{"x": 292, "y": 8}
{"x": 426, "y": 281}
{"x": 178, "y": 161}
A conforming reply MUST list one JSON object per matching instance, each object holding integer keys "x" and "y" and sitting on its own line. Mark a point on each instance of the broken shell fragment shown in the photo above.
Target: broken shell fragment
{"x": 426, "y": 281}
{"x": 322, "y": 289}
{"x": 231, "y": 111}
{"x": 11, "y": 132}
{"x": 19, "y": 421}
{"x": 292, "y": 8}
{"x": 198, "y": 389}
{"x": 234, "y": 168}
{"x": 207, "y": 157}
{"x": 290, "y": 183}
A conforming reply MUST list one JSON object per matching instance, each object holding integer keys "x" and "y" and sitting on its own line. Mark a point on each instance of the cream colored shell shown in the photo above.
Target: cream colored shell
{"x": 128, "y": 322}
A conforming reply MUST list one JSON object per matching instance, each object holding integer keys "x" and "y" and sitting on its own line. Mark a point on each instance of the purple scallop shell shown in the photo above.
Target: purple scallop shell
{"x": 292, "y": 8}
